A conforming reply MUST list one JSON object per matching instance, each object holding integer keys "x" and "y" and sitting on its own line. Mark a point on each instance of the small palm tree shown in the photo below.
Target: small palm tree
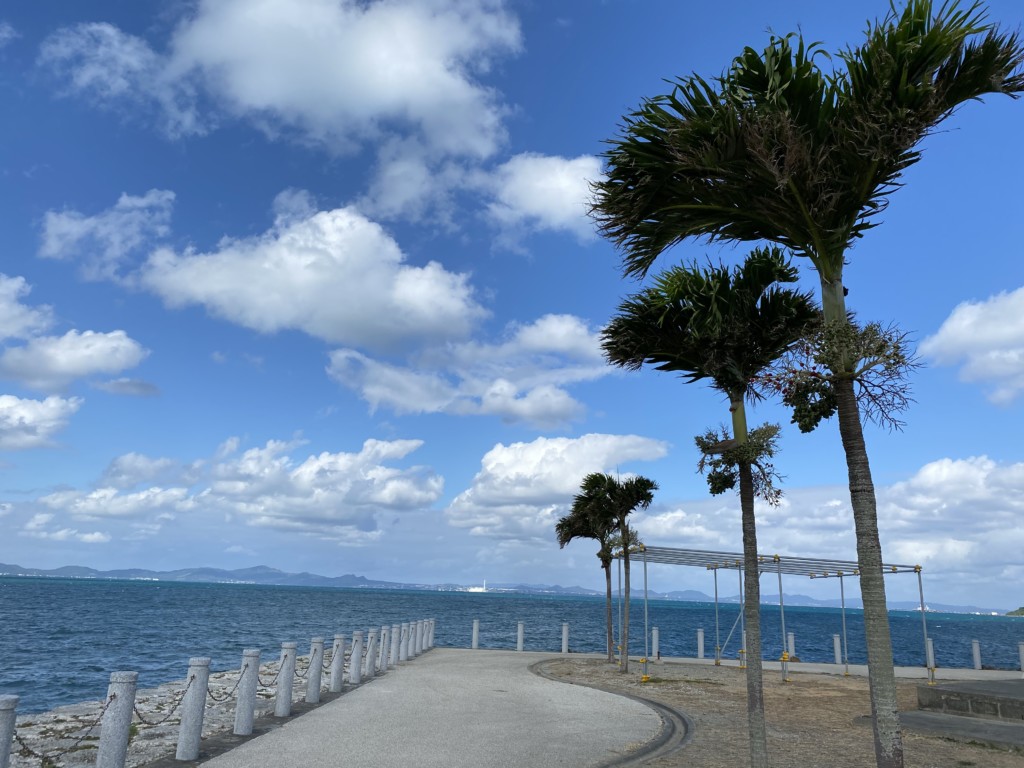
{"x": 778, "y": 150}
{"x": 586, "y": 520}
{"x": 611, "y": 499}
{"x": 727, "y": 327}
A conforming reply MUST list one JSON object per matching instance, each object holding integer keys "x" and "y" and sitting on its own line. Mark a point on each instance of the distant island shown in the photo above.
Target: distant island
{"x": 264, "y": 575}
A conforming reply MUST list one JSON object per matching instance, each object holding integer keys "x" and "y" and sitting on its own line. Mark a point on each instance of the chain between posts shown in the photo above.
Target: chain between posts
{"x": 218, "y": 698}
{"x": 302, "y": 675}
{"x": 47, "y": 759}
{"x": 170, "y": 713}
{"x": 275, "y": 678}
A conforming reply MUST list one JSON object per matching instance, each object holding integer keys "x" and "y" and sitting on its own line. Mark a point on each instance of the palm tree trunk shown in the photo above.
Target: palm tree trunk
{"x": 624, "y": 530}
{"x": 881, "y": 675}
{"x": 608, "y": 610}
{"x": 752, "y": 611}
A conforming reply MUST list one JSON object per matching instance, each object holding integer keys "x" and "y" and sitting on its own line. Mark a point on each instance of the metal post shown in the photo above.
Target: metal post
{"x": 403, "y": 646}
{"x": 245, "y": 706}
{"x": 565, "y": 637}
{"x": 476, "y": 634}
{"x": 976, "y": 652}
{"x": 718, "y": 639}
{"x": 929, "y": 660}
{"x": 369, "y": 668}
{"x": 700, "y": 643}
{"x": 314, "y": 674}
{"x": 842, "y": 599}
{"x": 396, "y": 632}
{"x": 193, "y": 705}
{"x": 285, "y": 680}
{"x": 115, "y": 726}
{"x": 647, "y": 651}
{"x": 743, "y": 628}
{"x": 337, "y": 664}
{"x": 520, "y": 631}
{"x": 655, "y": 644}
{"x": 1020, "y": 652}
{"x": 355, "y": 662}
{"x": 782, "y": 615}
{"x": 8, "y": 705}
{"x": 618, "y": 645}
{"x": 836, "y": 649}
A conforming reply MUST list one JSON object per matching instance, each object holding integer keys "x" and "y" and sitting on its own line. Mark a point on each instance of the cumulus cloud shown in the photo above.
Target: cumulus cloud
{"x": 522, "y": 489}
{"x": 334, "y": 275}
{"x": 52, "y": 362}
{"x": 133, "y": 469}
{"x": 38, "y": 527}
{"x": 333, "y": 72}
{"x": 7, "y": 33}
{"x": 541, "y": 192}
{"x": 986, "y": 339}
{"x": 18, "y": 320}
{"x": 105, "y": 241}
{"x": 33, "y": 423}
{"x": 519, "y": 379}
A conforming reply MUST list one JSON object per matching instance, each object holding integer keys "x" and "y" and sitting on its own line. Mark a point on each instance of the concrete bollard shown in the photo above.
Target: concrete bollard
{"x": 249, "y": 678}
{"x": 337, "y": 664}
{"x": 520, "y": 633}
{"x": 1020, "y": 652}
{"x": 565, "y": 637}
{"x": 115, "y": 726}
{"x": 193, "y": 705}
{"x": 976, "y": 652}
{"x": 837, "y": 649}
{"x": 382, "y": 654}
{"x": 285, "y": 680}
{"x": 355, "y": 662}
{"x": 476, "y": 634}
{"x": 8, "y": 705}
{"x": 396, "y": 632}
{"x": 315, "y": 672}
{"x": 419, "y": 637}
{"x": 655, "y": 644}
{"x": 700, "y": 643}
{"x": 432, "y": 624}
{"x": 371, "y": 654}
{"x": 403, "y": 646}
{"x": 791, "y": 644}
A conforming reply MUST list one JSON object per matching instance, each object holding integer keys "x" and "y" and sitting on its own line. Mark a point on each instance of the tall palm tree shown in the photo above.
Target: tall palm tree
{"x": 613, "y": 499}
{"x": 777, "y": 149}
{"x": 727, "y": 327}
{"x": 589, "y": 520}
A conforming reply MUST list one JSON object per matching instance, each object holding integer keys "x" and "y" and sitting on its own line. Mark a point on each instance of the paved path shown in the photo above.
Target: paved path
{"x": 457, "y": 709}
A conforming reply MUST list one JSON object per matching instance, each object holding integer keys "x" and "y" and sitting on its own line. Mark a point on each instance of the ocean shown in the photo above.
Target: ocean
{"x": 61, "y": 638}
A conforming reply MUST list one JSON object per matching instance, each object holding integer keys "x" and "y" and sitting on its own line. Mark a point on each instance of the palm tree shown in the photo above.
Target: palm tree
{"x": 727, "y": 327}
{"x": 612, "y": 499}
{"x": 588, "y": 520}
{"x": 778, "y": 150}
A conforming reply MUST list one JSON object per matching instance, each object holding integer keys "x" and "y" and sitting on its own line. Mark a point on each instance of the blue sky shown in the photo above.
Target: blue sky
{"x": 310, "y": 283}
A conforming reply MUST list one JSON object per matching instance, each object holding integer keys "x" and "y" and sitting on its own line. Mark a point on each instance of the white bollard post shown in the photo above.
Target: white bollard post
{"x": 565, "y": 637}
{"x": 115, "y": 726}
{"x": 431, "y": 625}
{"x": 1020, "y": 652}
{"x": 476, "y": 634}
{"x": 419, "y": 637}
{"x": 355, "y": 662}
{"x": 655, "y": 644}
{"x": 396, "y": 631}
{"x": 520, "y": 632}
{"x": 791, "y": 643}
{"x": 837, "y": 649}
{"x": 193, "y": 706}
{"x": 285, "y": 681}
{"x": 337, "y": 664}
{"x": 700, "y": 643}
{"x": 403, "y": 647}
{"x": 371, "y": 654}
{"x": 8, "y": 705}
{"x": 976, "y": 652}
{"x": 315, "y": 672}
{"x": 385, "y": 641}
{"x": 245, "y": 706}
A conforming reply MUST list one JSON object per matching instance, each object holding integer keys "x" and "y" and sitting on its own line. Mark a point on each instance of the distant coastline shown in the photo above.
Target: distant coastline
{"x": 267, "y": 576}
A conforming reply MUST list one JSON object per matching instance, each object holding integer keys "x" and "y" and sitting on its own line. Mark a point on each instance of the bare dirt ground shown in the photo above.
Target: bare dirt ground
{"x": 815, "y": 721}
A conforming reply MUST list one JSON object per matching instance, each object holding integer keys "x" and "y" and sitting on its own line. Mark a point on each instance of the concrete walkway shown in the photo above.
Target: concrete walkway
{"x": 454, "y": 708}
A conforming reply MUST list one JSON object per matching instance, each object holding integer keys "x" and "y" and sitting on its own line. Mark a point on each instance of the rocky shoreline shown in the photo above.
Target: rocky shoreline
{"x": 68, "y": 737}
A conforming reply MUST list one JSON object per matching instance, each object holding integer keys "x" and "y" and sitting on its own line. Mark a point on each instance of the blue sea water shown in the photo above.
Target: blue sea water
{"x": 60, "y": 639}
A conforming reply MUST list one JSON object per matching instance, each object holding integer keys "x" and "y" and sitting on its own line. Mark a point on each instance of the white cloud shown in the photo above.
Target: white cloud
{"x": 125, "y": 386}
{"x": 523, "y": 488}
{"x": 334, "y": 275}
{"x": 105, "y": 241}
{"x": 33, "y": 423}
{"x": 7, "y": 33}
{"x": 540, "y": 192}
{"x": 519, "y": 379}
{"x": 133, "y": 469}
{"x": 17, "y": 320}
{"x": 986, "y": 339}
{"x": 52, "y": 362}
{"x": 335, "y": 72}
{"x": 111, "y": 503}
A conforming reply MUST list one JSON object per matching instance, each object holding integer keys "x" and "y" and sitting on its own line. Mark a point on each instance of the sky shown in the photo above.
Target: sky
{"x": 311, "y": 284}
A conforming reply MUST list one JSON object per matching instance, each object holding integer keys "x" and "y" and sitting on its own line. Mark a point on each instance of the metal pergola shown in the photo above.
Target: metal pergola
{"x": 814, "y": 568}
